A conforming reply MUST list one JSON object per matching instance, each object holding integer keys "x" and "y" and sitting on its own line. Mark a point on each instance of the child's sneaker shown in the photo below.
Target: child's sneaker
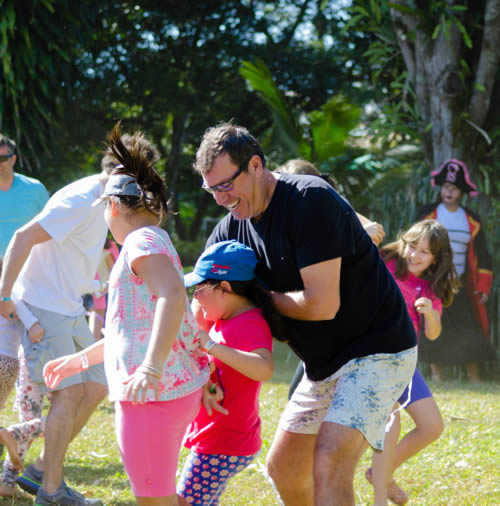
{"x": 64, "y": 496}
{"x": 31, "y": 480}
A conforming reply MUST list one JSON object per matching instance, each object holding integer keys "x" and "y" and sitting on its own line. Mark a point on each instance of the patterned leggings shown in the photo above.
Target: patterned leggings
{"x": 9, "y": 367}
{"x": 205, "y": 476}
{"x": 29, "y": 402}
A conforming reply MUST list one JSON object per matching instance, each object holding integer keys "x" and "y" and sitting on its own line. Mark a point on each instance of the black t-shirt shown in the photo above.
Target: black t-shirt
{"x": 307, "y": 222}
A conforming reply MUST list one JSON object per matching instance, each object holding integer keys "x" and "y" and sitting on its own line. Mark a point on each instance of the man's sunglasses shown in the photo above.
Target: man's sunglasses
{"x": 4, "y": 158}
{"x": 227, "y": 185}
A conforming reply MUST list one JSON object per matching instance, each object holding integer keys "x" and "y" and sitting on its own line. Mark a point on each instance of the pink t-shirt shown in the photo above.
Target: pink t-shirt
{"x": 129, "y": 321}
{"x": 412, "y": 289}
{"x": 239, "y": 432}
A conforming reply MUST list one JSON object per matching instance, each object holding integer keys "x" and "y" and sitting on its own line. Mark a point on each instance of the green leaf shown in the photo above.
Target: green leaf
{"x": 330, "y": 127}
{"x": 402, "y": 8}
{"x": 259, "y": 77}
{"x": 480, "y": 87}
{"x": 446, "y": 28}
{"x": 463, "y": 31}
{"x": 48, "y": 4}
{"x": 361, "y": 10}
{"x": 376, "y": 10}
{"x": 465, "y": 67}
{"x": 436, "y": 31}
{"x": 353, "y": 21}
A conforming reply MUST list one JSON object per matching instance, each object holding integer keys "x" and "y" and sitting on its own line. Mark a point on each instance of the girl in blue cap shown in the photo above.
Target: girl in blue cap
{"x": 242, "y": 320}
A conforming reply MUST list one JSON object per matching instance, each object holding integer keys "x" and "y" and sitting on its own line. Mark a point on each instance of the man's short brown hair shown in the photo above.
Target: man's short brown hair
{"x": 234, "y": 140}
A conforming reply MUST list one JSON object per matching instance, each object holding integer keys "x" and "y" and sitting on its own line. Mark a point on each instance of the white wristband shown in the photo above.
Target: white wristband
{"x": 84, "y": 361}
{"x": 210, "y": 344}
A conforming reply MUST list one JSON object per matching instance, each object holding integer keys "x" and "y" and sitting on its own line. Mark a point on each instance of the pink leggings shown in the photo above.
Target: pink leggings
{"x": 149, "y": 437}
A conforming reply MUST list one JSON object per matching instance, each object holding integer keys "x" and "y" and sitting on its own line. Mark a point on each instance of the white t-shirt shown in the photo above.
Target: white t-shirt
{"x": 458, "y": 229}
{"x": 59, "y": 271}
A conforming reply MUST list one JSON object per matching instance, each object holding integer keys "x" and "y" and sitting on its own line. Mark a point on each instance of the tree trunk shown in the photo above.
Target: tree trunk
{"x": 434, "y": 71}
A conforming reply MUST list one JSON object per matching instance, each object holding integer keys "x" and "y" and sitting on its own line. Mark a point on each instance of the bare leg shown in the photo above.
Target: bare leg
{"x": 58, "y": 432}
{"x": 336, "y": 455}
{"x": 428, "y": 427}
{"x": 436, "y": 373}
{"x": 383, "y": 463}
{"x": 69, "y": 411}
{"x": 290, "y": 465}
{"x": 10, "y": 443}
{"x": 93, "y": 394}
{"x": 6, "y": 491}
{"x": 473, "y": 372}
{"x": 170, "y": 500}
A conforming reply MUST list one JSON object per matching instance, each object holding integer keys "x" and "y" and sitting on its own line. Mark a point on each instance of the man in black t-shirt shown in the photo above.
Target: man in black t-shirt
{"x": 344, "y": 314}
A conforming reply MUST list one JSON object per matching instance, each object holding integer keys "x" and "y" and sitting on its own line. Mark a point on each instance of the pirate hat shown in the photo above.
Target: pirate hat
{"x": 455, "y": 172}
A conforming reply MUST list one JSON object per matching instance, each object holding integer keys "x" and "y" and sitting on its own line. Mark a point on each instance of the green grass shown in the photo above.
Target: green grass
{"x": 461, "y": 468}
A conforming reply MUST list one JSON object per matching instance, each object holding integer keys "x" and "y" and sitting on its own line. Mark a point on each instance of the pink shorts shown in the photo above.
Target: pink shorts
{"x": 149, "y": 437}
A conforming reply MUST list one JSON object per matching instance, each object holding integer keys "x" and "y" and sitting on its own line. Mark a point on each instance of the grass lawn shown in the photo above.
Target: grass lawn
{"x": 461, "y": 468}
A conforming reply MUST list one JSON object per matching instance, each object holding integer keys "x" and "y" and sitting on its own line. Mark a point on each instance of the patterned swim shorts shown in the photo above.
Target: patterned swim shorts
{"x": 361, "y": 395}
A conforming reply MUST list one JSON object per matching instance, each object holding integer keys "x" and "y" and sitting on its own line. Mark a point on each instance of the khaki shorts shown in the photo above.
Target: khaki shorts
{"x": 64, "y": 335}
{"x": 360, "y": 395}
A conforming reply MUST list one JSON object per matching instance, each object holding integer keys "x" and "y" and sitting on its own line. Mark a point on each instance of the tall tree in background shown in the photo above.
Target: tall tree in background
{"x": 441, "y": 91}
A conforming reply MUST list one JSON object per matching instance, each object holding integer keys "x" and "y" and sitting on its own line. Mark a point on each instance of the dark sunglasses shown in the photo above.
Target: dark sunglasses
{"x": 4, "y": 158}
{"x": 227, "y": 185}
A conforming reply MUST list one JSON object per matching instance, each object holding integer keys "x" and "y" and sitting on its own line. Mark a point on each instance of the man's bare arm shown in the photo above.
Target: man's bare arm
{"x": 18, "y": 251}
{"x": 320, "y": 299}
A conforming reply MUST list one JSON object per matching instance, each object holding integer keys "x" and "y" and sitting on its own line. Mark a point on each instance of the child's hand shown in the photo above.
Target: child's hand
{"x": 36, "y": 333}
{"x": 483, "y": 298}
{"x": 204, "y": 338}
{"x": 212, "y": 395}
{"x": 63, "y": 367}
{"x": 138, "y": 384}
{"x": 424, "y": 305}
{"x": 375, "y": 231}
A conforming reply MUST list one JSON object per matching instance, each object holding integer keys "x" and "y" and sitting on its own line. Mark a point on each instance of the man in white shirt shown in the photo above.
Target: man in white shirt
{"x": 54, "y": 259}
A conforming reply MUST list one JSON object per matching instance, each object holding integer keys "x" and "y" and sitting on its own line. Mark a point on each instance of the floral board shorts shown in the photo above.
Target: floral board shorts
{"x": 360, "y": 395}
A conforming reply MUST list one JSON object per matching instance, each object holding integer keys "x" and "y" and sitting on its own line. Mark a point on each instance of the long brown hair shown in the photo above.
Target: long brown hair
{"x": 133, "y": 154}
{"x": 441, "y": 274}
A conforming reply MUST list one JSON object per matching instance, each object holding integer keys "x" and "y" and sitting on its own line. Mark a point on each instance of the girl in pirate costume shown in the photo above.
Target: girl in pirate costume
{"x": 465, "y": 336}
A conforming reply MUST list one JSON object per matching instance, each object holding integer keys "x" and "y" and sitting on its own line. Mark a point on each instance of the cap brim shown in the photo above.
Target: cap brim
{"x": 192, "y": 279}
{"x": 98, "y": 200}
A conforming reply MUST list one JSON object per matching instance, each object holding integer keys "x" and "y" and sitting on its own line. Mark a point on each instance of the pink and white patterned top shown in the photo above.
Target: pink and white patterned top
{"x": 129, "y": 320}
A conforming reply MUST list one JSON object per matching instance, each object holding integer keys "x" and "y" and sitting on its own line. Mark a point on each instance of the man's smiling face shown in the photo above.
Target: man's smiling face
{"x": 241, "y": 197}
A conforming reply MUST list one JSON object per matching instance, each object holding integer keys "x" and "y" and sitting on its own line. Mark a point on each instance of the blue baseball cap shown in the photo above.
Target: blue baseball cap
{"x": 223, "y": 261}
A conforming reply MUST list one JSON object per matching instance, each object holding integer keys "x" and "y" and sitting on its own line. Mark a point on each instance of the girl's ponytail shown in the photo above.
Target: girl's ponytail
{"x": 135, "y": 157}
